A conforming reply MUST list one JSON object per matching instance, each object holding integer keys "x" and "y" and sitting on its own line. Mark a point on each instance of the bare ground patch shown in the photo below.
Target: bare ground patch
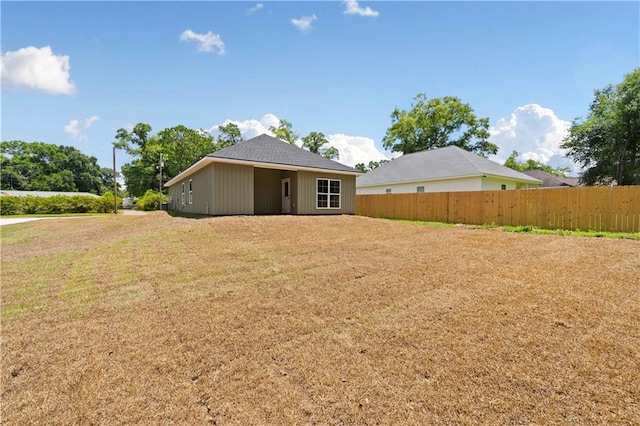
{"x": 314, "y": 320}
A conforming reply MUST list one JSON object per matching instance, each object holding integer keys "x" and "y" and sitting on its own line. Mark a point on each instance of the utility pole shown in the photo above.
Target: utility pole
{"x": 160, "y": 185}
{"x": 115, "y": 184}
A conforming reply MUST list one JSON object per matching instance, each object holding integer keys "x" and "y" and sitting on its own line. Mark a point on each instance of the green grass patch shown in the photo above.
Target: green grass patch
{"x": 528, "y": 229}
{"x": 80, "y": 290}
{"x": 11, "y": 235}
{"x": 32, "y": 281}
{"x": 421, "y": 223}
{"x": 575, "y": 233}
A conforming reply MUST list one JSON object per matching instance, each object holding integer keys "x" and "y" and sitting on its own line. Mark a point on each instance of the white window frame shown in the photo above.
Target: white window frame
{"x": 182, "y": 194}
{"x": 420, "y": 189}
{"x": 190, "y": 191}
{"x": 329, "y": 194}
{"x": 387, "y": 191}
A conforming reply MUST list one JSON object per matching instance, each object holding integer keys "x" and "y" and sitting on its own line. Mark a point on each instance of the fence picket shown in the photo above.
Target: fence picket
{"x": 614, "y": 208}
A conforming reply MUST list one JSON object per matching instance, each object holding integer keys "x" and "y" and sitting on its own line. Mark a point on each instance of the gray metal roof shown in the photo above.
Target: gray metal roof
{"x": 442, "y": 163}
{"x": 267, "y": 149}
{"x": 16, "y": 193}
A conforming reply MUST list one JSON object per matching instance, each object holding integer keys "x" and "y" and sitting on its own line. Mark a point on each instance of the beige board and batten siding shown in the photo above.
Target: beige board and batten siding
{"x": 307, "y": 193}
{"x": 232, "y": 189}
{"x": 202, "y": 193}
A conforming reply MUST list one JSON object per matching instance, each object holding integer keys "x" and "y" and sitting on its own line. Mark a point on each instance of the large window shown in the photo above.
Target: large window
{"x": 328, "y": 195}
{"x": 182, "y": 194}
{"x": 190, "y": 191}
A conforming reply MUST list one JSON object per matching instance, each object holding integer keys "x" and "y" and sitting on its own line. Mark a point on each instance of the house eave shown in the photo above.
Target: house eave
{"x": 531, "y": 181}
{"x": 205, "y": 161}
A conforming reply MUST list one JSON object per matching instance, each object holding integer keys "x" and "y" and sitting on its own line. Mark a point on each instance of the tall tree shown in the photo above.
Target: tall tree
{"x": 180, "y": 147}
{"x": 284, "y": 131}
{"x": 607, "y": 143}
{"x": 229, "y": 135}
{"x": 435, "y": 123}
{"x": 364, "y": 168}
{"x": 135, "y": 141}
{"x": 39, "y": 166}
{"x": 315, "y": 142}
{"x": 513, "y": 163}
{"x": 141, "y": 173}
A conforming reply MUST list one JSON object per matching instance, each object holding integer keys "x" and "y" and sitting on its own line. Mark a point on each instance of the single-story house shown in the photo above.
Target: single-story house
{"x": 551, "y": 181}
{"x": 16, "y": 193}
{"x": 264, "y": 175}
{"x": 445, "y": 169}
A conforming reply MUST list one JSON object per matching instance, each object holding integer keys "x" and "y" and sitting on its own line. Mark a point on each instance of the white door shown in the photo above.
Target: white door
{"x": 286, "y": 195}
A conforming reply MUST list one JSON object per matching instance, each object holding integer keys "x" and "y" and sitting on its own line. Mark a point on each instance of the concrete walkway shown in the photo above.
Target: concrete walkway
{"x": 14, "y": 220}
{"x": 11, "y": 221}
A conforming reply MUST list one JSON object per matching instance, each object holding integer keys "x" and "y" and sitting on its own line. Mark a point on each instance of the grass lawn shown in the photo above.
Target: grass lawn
{"x": 314, "y": 320}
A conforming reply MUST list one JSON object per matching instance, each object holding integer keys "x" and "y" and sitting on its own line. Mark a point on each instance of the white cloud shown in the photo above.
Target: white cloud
{"x": 250, "y": 128}
{"x": 255, "y": 8}
{"x": 208, "y": 42}
{"x": 76, "y": 127}
{"x": 38, "y": 69}
{"x": 355, "y": 149}
{"x": 304, "y": 22}
{"x": 353, "y": 8}
{"x": 536, "y": 133}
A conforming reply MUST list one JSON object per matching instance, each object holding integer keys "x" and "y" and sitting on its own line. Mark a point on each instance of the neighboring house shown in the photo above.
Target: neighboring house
{"x": 264, "y": 175}
{"x": 549, "y": 180}
{"x": 45, "y": 194}
{"x": 446, "y": 169}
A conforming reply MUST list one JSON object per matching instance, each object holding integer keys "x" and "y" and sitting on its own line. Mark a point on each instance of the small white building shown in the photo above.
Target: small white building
{"x": 446, "y": 169}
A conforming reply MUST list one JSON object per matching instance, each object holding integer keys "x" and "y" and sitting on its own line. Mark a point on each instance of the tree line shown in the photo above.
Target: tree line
{"x": 40, "y": 166}
{"x": 606, "y": 144}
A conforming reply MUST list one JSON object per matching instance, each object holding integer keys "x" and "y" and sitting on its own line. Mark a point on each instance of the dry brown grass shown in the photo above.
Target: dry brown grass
{"x": 314, "y": 320}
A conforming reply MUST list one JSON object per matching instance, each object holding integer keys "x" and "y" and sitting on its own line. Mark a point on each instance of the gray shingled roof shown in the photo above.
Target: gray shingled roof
{"x": 549, "y": 180}
{"x": 267, "y": 149}
{"x": 442, "y": 163}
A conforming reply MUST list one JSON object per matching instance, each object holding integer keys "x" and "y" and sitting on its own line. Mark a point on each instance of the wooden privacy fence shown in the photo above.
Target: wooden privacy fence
{"x": 587, "y": 208}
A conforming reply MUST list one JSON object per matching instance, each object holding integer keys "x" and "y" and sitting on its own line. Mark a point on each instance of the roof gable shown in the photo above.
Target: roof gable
{"x": 442, "y": 163}
{"x": 267, "y": 149}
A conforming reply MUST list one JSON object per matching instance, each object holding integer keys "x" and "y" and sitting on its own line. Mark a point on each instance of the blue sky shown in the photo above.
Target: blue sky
{"x": 75, "y": 72}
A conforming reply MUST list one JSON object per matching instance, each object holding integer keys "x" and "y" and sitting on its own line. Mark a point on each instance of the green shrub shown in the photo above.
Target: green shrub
{"x": 10, "y": 205}
{"x": 57, "y": 204}
{"x": 105, "y": 204}
{"x": 30, "y": 204}
{"x": 149, "y": 201}
{"x": 81, "y": 204}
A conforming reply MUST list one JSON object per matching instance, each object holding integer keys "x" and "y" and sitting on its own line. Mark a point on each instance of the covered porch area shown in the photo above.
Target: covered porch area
{"x": 275, "y": 191}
